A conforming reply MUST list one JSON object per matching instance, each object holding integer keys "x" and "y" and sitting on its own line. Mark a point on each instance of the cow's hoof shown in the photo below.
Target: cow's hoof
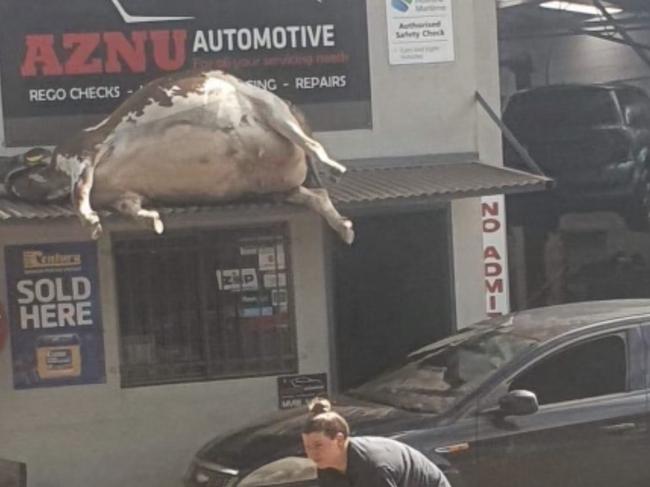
{"x": 335, "y": 172}
{"x": 96, "y": 230}
{"x": 335, "y": 177}
{"x": 335, "y": 166}
{"x": 346, "y": 231}
{"x": 158, "y": 226}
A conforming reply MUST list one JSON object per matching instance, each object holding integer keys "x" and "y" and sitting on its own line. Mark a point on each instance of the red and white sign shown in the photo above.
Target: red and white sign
{"x": 495, "y": 255}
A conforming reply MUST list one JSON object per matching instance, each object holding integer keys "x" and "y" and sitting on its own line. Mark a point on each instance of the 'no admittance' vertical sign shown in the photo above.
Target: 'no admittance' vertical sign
{"x": 55, "y": 316}
{"x": 420, "y": 31}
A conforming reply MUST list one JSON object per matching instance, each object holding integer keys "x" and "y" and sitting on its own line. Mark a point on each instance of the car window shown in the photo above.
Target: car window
{"x": 594, "y": 368}
{"x": 436, "y": 378}
{"x": 533, "y": 114}
{"x": 635, "y": 108}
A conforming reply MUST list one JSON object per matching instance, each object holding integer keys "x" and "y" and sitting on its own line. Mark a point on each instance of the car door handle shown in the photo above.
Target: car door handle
{"x": 618, "y": 428}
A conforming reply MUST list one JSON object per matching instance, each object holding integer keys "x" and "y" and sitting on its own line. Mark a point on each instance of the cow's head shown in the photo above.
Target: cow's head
{"x": 30, "y": 177}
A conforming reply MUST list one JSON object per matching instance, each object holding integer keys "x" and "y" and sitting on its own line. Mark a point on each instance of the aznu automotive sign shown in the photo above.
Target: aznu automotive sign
{"x": 65, "y": 64}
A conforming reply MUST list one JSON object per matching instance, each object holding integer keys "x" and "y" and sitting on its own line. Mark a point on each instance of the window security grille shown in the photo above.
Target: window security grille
{"x": 205, "y": 304}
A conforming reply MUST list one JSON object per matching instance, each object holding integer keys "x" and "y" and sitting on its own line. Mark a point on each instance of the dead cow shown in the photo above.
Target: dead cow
{"x": 187, "y": 138}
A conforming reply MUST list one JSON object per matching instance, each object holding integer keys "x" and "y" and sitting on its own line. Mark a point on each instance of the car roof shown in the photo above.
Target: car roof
{"x": 545, "y": 323}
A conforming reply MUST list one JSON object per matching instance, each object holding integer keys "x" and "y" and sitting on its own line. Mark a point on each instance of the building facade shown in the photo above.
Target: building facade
{"x": 128, "y": 353}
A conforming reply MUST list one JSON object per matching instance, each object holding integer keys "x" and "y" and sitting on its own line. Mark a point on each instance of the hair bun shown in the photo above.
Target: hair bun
{"x": 319, "y": 405}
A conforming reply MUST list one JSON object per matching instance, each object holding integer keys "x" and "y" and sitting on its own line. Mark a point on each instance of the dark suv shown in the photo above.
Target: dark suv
{"x": 593, "y": 140}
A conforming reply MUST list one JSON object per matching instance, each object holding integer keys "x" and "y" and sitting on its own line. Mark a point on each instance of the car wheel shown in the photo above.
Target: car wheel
{"x": 638, "y": 213}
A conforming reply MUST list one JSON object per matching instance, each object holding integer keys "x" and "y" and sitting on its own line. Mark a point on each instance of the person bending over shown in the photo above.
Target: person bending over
{"x": 362, "y": 461}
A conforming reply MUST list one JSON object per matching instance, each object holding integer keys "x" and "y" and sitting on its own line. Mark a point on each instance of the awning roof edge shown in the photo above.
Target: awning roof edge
{"x": 360, "y": 186}
{"x": 439, "y": 181}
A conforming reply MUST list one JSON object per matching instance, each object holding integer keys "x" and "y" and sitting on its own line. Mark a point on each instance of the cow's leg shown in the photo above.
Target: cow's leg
{"x": 130, "y": 204}
{"x": 279, "y": 116}
{"x": 81, "y": 189}
{"x": 319, "y": 201}
{"x": 284, "y": 122}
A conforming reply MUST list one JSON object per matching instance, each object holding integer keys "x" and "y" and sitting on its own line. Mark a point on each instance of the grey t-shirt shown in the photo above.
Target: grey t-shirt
{"x": 382, "y": 462}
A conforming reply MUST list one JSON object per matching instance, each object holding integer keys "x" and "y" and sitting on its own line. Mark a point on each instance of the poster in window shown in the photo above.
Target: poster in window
{"x": 280, "y": 299}
{"x": 271, "y": 258}
{"x": 254, "y": 305}
{"x": 237, "y": 280}
{"x": 252, "y": 290}
{"x": 55, "y": 315}
{"x": 273, "y": 280}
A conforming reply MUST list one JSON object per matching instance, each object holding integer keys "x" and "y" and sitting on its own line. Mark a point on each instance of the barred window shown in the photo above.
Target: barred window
{"x": 204, "y": 304}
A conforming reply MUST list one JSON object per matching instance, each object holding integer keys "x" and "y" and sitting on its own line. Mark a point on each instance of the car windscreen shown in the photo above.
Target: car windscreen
{"x": 434, "y": 381}
{"x": 534, "y": 114}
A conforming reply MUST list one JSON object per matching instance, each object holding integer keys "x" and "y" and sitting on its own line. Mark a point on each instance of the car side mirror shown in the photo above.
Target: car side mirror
{"x": 518, "y": 403}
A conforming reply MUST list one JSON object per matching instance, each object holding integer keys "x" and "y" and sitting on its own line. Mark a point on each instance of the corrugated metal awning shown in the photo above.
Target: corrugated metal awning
{"x": 432, "y": 182}
{"x": 360, "y": 187}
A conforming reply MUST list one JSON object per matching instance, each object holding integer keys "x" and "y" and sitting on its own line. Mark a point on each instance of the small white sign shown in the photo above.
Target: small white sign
{"x": 420, "y": 31}
{"x": 271, "y": 258}
{"x": 248, "y": 250}
{"x": 273, "y": 280}
{"x": 280, "y": 298}
{"x": 237, "y": 280}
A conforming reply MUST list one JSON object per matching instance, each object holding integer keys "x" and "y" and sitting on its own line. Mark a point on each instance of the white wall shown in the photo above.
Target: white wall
{"x": 103, "y": 435}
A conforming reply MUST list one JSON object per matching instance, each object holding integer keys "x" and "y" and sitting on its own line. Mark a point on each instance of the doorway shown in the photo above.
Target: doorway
{"x": 392, "y": 291}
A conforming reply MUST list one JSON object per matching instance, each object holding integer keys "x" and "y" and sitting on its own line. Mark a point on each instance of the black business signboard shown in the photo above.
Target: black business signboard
{"x": 65, "y": 64}
{"x": 298, "y": 390}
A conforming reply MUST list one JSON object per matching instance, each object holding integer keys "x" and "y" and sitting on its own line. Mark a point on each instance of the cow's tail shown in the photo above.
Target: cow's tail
{"x": 313, "y": 179}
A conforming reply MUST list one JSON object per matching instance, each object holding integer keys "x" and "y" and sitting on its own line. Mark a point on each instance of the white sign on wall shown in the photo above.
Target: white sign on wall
{"x": 495, "y": 255}
{"x": 420, "y": 31}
